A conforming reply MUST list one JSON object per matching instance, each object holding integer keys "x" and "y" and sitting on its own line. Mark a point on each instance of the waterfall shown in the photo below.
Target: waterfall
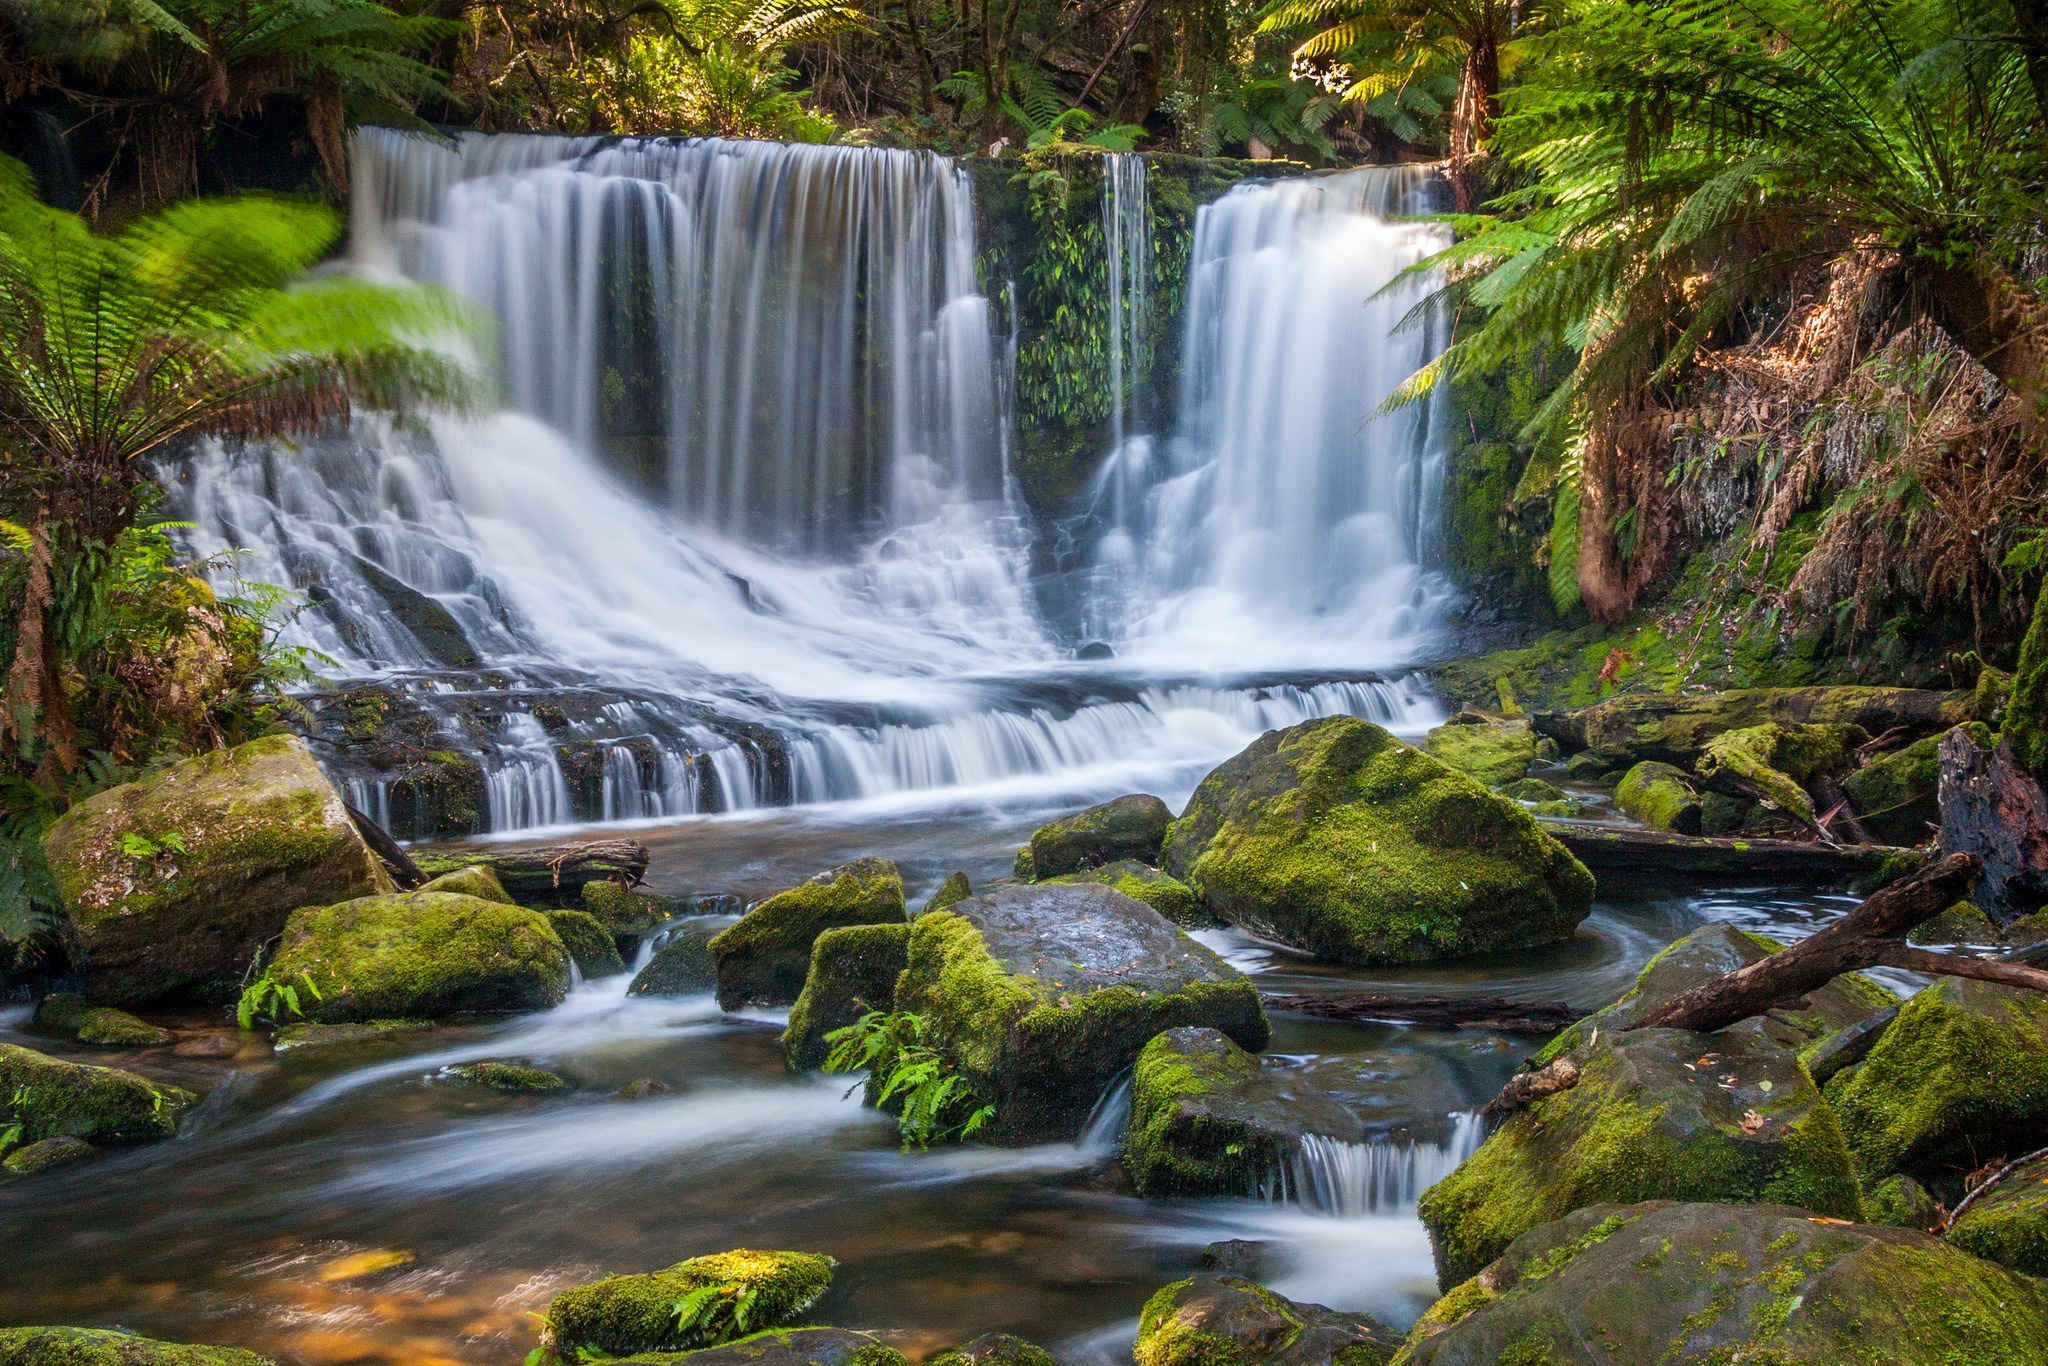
{"x": 1127, "y": 249}
{"x": 1353, "y": 1180}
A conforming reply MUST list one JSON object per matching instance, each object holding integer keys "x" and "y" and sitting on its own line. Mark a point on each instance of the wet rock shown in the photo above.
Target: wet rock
{"x": 642, "y": 1087}
{"x": 1021, "y": 867}
{"x": 2009, "y": 1225}
{"x": 241, "y": 837}
{"x": 475, "y": 880}
{"x": 423, "y": 955}
{"x": 1211, "y": 1319}
{"x": 1676, "y": 727}
{"x": 37, "y": 1158}
{"x": 954, "y": 888}
{"x": 65, "y": 1015}
{"x": 683, "y": 965}
{"x": 786, "y": 1347}
{"x": 594, "y": 952}
{"x": 1042, "y": 995}
{"x": 56, "y": 1099}
{"x": 1961, "y": 923}
{"x": 1131, "y": 827}
{"x": 1533, "y": 790}
{"x": 1163, "y": 892}
{"x": 1246, "y": 1257}
{"x": 302, "y": 1035}
{"x": 1993, "y": 808}
{"x": 763, "y": 959}
{"x": 206, "y": 1046}
{"x": 1896, "y": 794}
{"x": 1336, "y": 838}
{"x": 853, "y": 971}
{"x": 627, "y": 1314}
{"x": 994, "y": 1349}
{"x": 1208, "y": 1118}
{"x": 1765, "y": 1284}
{"x": 1493, "y": 751}
{"x": 110, "y": 1347}
{"x": 1661, "y": 797}
{"x": 514, "y": 1077}
{"x": 1901, "y": 1202}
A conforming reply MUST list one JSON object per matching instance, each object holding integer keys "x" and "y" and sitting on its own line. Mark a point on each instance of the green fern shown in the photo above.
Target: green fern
{"x": 936, "y": 1103}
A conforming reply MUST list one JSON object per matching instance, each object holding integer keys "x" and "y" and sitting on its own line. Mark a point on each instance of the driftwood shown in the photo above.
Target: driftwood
{"x": 389, "y": 852}
{"x": 1847, "y": 1047}
{"x": 1985, "y": 1187}
{"x": 1617, "y": 850}
{"x": 1870, "y": 936}
{"x": 552, "y": 871}
{"x": 1561, "y": 1074}
{"x": 1434, "y": 1012}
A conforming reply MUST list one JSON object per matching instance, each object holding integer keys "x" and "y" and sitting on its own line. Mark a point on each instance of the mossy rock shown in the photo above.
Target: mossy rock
{"x": 1960, "y": 1076}
{"x": 784, "y": 1347}
{"x": 65, "y": 1015}
{"x": 37, "y": 1158}
{"x": 2026, "y": 709}
{"x": 1763, "y": 1285}
{"x": 1131, "y": 827}
{"x": 1896, "y": 794}
{"x": 423, "y": 955}
{"x": 682, "y": 966}
{"x": 1782, "y": 761}
{"x": 628, "y": 1314}
{"x": 263, "y": 833}
{"x": 1221, "y": 1320}
{"x": 590, "y": 946}
{"x": 1336, "y": 838}
{"x": 994, "y": 1349}
{"x": 1494, "y": 752}
{"x": 623, "y": 911}
{"x": 1042, "y": 995}
{"x": 1208, "y": 1118}
{"x": 98, "y": 1104}
{"x": 1722, "y": 815}
{"x": 763, "y": 960}
{"x": 1676, "y": 727}
{"x": 853, "y": 971}
{"x": 2010, "y": 1225}
{"x": 107, "y": 1347}
{"x": 475, "y": 880}
{"x": 1533, "y": 790}
{"x": 1163, "y": 892}
{"x": 1901, "y": 1202}
{"x": 305, "y": 1035}
{"x": 954, "y": 888}
{"x": 1961, "y": 923}
{"x": 1021, "y": 866}
{"x": 516, "y": 1078}
{"x": 1661, "y": 797}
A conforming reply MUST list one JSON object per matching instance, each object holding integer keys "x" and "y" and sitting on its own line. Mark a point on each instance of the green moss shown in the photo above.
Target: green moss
{"x": 1661, "y": 797}
{"x": 626, "y": 1314}
{"x": 2010, "y": 1224}
{"x": 763, "y": 959}
{"x": 1895, "y": 794}
{"x": 590, "y": 945}
{"x": 1131, "y": 827}
{"x": 780, "y": 1347}
{"x": 109, "y": 1347}
{"x": 1161, "y": 1155}
{"x": 1562, "y": 1256}
{"x": 1901, "y": 1202}
{"x": 98, "y": 1104}
{"x": 475, "y": 880}
{"x": 304, "y": 1034}
{"x": 1022, "y": 868}
{"x": 2026, "y": 711}
{"x": 1748, "y": 753}
{"x": 952, "y": 891}
{"x": 1140, "y": 882}
{"x": 853, "y": 971}
{"x": 36, "y": 1158}
{"x": 621, "y": 910}
{"x": 514, "y": 1077}
{"x": 68, "y": 1016}
{"x": 1494, "y": 752}
{"x": 1961, "y": 923}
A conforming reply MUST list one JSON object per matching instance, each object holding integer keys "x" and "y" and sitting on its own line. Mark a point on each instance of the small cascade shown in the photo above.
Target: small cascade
{"x": 1354, "y": 1180}
{"x": 1104, "y": 1130}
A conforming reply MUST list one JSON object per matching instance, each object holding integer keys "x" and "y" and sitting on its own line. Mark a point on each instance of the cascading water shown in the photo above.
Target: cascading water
{"x": 1353, "y": 1180}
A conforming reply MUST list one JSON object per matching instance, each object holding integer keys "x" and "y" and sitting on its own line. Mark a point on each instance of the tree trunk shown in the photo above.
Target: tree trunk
{"x": 927, "y": 74}
{"x": 1655, "y": 853}
{"x": 1431, "y": 1012}
{"x": 1993, "y": 809}
{"x": 1472, "y": 117}
{"x": 1996, "y": 319}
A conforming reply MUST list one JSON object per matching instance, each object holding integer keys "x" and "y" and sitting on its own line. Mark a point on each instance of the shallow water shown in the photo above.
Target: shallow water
{"x": 237, "y": 1231}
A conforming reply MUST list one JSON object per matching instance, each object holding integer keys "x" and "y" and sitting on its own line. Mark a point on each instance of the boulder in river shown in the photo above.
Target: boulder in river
{"x": 1222, "y": 1320}
{"x": 1496, "y": 751}
{"x": 2009, "y": 1224}
{"x": 682, "y": 966}
{"x": 423, "y": 955}
{"x": 1208, "y": 1118}
{"x": 763, "y": 959}
{"x": 592, "y": 949}
{"x": 1661, "y": 797}
{"x": 853, "y": 971}
{"x": 51, "y": 1098}
{"x": 111, "y": 1347}
{"x": 1163, "y": 892}
{"x": 67, "y": 1015}
{"x": 38, "y": 1158}
{"x": 475, "y": 880}
{"x": 516, "y": 1078}
{"x": 175, "y": 882}
{"x": 1769, "y": 1285}
{"x": 1042, "y": 995}
{"x": 784, "y": 1347}
{"x": 627, "y": 1314}
{"x": 1131, "y": 827}
{"x": 1336, "y": 838}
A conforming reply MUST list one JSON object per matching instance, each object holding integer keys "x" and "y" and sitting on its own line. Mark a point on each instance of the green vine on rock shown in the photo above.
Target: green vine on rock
{"x": 937, "y": 1103}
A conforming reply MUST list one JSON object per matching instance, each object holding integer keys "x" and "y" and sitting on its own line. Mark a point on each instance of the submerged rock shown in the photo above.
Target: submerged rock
{"x": 423, "y": 954}
{"x": 1493, "y": 751}
{"x": 1163, "y": 892}
{"x": 41, "y": 1157}
{"x": 2010, "y": 1224}
{"x": 1763, "y": 1284}
{"x": 306, "y": 1035}
{"x": 109, "y": 1347}
{"x": 784, "y": 1347}
{"x": 476, "y": 880}
{"x": 1661, "y": 797}
{"x": 1042, "y": 995}
{"x": 515, "y": 1077}
{"x": 1208, "y": 1118}
{"x": 627, "y": 1314}
{"x": 1221, "y": 1320}
{"x": 65, "y": 1015}
{"x": 1336, "y": 838}
{"x": 682, "y": 966}
{"x": 592, "y": 949}
{"x": 1131, "y": 827}
{"x": 763, "y": 960}
{"x": 57, "y": 1099}
{"x": 240, "y": 838}
{"x": 853, "y": 971}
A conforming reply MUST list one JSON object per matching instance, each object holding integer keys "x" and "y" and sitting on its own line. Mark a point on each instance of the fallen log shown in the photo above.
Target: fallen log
{"x": 389, "y": 851}
{"x": 1675, "y": 728}
{"x": 1870, "y": 936}
{"x": 1432, "y": 1012}
{"x": 1613, "y": 849}
{"x": 1562, "y": 1074}
{"x": 550, "y": 872}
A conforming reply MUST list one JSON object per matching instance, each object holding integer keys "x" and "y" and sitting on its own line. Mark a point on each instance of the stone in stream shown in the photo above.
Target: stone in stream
{"x": 1338, "y": 839}
{"x": 1163, "y": 892}
{"x": 66, "y": 1015}
{"x": 1042, "y": 995}
{"x": 592, "y": 949}
{"x": 51, "y": 1098}
{"x": 627, "y": 1314}
{"x": 1131, "y": 827}
{"x": 994, "y": 1349}
{"x": 786, "y": 1347}
{"x": 1493, "y": 750}
{"x": 763, "y": 959}
{"x": 37, "y": 1158}
{"x": 174, "y": 883}
{"x": 1768, "y": 1285}
{"x": 2009, "y": 1225}
{"x": 853, "y": 971}
{"x": 111, "y": 1347}
{"x": 954, "y": 888}
{"x": 1223, "y": 1320}
{"x": 683, "y": 965}
{"x": 304, "y": 1035}
{"x": 514, "y": 1077}
{"x": 475, "y": 880}
{"x": 1208, "y": 1118}
{"x": 1661, "y": 797}
{"x": 422, "y": 955}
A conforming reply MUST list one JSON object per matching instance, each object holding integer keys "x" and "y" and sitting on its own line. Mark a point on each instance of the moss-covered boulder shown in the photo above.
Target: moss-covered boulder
{"x": 994, "y": 1349}
{"x": 624, "y": 912}
{"x": 1897, "y": 794}
{"x": 308, "y": 1036}
{"x": 1960, "y": 1076}
{"x": 1130, "y": 827}
{"x": 763, "y": 959}
{"x": 955, "y": 888}
{"x": 66, "y": 1015}
{"x": 51, "y": 1098}
{"x": 174, "y": 883}
{"x": 1782, "y": 762}
{"x": 1661, "y": 797}
{"x": 1676, "y": 727}
{"x": 1337, "y": 838}
{"x": 1209, "y": 1118}
{"x": 1163, "y": 892}
{"x": 1763, "y": 1285}
{"x": 2009, "y": 1225}
{"x": 51, "y": 1153}
{"x": 682, "y": 966}
{"x": 627, "y": 1314}
{"x": 784, "y": 1347}
{"x": 516, "y": 1078}
{"x": 1219, "y": 1320}
{"x": 1495, "y": 752}
{"x": 423, "y": 955}
{"x": 853, "y": 971}
{"x": 590, "y": 947}
{"x": 1041, "y": 995}
{"x": 110, "y": 1347}
{"x": 475, "y": 880}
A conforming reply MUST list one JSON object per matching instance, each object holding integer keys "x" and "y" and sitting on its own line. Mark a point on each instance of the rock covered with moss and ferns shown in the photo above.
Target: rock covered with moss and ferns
{"x": 784, "y": 1347}
{"x": 1765, "y": 1284}
{"x": 2008, "y": 1223}
{"x": 51, "y": 1098}
{"x": 763, "y": 959}
{"x": 1131, "y": 827}
{"x": 111, "y": 1347}
{"x": 621, "y": 1315}
{"x": 1222, "y": 1320}
{"x": 1209, "y": 1118}
{"x": 1163, "y": 892}
{"x": 853, "y": 971}
{"x": 1042, "y": 995}
{"x": 173, "y": 884}
{"x": 1337, "y": 838}
{"x": 422, "y": 955}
